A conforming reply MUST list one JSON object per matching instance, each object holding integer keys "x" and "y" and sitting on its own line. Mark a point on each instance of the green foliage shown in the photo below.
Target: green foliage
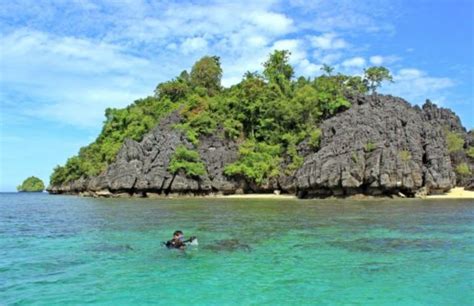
{"x": 315, "y": 138}
{"x": 463, "y": 169}
{"x": 187, "y": 161}
{"x": 207, "y": 73}
{"x": 173, "y": 90}
{"x": 130, "y": 122}
{"x": 290, "y": 142}
{"x": 258, "y": 162}
{"x": 327, "y": 69}
{"x": 470, "y": 152}
{"x": 31, "y": 184}
{"x": 331, "y": 94}
{"x": 233, "y": 128}
{"x": 278, "y": 71}
{"x": 354, "y": 157}
{"x": 405, "y": 155}
{"x": 454, "y": 141}
{"x": 374, "y": 76}
{"x": 369, "y": 147}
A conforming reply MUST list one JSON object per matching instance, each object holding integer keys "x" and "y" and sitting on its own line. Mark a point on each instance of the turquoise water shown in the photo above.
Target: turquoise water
{"x": 71, "y": 250}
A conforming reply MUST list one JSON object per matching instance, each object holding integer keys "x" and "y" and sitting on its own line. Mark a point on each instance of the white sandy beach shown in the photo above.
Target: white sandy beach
{"x": 454, "y": 193}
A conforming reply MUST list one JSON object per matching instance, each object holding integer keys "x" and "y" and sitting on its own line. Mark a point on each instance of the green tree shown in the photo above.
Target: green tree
{"x": 327, "y": 69}
{"x": 207, "y": 73}
{"x": 331, "y": 94}
{"x": 374, "y": 76}
{"x": 31, "y": 184}
{"x": 278, "y": 71}
{"x": 187, "y": 161}
{"x": 258, "y": 162}
{"x": 173, "y": 90}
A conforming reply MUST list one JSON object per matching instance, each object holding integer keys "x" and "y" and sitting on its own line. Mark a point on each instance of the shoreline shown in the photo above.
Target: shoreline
{"x": 453, "y": 193}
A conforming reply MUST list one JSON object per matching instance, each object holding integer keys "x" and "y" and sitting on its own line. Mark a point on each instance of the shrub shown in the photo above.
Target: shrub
{"x": 405, "y": 155}
{"x": 188, "y": 161}
{"x": 354, "y": 157}
{"x": 232, "y": 128}
{"x": 470, "y": 152}
{"x": 463, "y": 169}
{"x": 315, "y": 138}
{"x": 454, "y": 141}
{"x": 257, "y": 162}
{"x": 369, "y": 146}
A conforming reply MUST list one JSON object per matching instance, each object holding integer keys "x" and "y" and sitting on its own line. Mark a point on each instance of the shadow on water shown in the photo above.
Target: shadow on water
{"x": 111, "y": 248}
{"x": 390, "y": 245}
{"x": 228, "y": 245}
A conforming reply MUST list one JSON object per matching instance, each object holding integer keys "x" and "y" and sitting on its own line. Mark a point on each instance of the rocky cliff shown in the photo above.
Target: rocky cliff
{"x": 381, "y": 145}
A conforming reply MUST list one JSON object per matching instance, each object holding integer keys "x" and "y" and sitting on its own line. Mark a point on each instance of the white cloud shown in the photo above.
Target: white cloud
{"x": 328, "y": 41}
{"x": 376, "y": 60}
{"x": 193, "y": 44}
{"x": 330, "y": 58}
{"x": 270, "y": 21}
{"x": 416, "y": 86}
{"x": 409, "y": 74}
{"x": 309, "y": 69}
{"x": 68, "y": 79}
{"x": 295, "y": 46}
{"x": 354, "y": 62}
{"x": 379, "y": 60}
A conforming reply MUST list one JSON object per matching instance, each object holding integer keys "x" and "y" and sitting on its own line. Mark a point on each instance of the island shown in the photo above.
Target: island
{"x": 31, "y": 184}
{"x": 332, "y": 135}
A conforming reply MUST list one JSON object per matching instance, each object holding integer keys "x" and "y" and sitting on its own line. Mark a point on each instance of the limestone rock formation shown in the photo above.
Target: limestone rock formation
{"x": 381, "y": 145}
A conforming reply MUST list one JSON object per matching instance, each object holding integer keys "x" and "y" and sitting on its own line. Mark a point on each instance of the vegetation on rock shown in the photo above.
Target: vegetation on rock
{"x": 454, "y": 141}
{"x": 463, "y": 169}
{"x": 268, "y": 113}
{"x": 187, "y": 161}
{"x": 470, "y": 152}
{"x": 31, "y": 184}
{"x": 374, "y": 76}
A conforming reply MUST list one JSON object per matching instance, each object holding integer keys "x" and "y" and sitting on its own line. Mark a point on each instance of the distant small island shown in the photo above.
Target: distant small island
{"x": 31, "y": 184}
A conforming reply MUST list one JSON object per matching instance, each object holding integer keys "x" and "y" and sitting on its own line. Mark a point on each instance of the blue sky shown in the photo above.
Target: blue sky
{"x": 63, "y": 62}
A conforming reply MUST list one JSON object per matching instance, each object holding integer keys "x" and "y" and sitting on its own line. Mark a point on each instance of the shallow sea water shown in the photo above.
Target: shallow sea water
{"x": 60, "y": 250}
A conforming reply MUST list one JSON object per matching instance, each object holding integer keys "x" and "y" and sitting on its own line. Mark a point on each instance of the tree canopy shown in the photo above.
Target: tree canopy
{"x": 374, "y": 76}
{"x": 31, "y": 184}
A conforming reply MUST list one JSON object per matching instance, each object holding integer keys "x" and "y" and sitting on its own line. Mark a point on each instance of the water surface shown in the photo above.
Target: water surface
{"x": 71, "y": 250}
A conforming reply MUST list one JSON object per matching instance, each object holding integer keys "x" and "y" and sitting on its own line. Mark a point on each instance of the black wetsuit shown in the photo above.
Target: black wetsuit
{"x": 175, "y": 244}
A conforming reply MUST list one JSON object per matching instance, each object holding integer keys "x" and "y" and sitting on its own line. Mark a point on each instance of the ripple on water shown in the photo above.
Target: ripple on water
{"x": 58, "y": 250}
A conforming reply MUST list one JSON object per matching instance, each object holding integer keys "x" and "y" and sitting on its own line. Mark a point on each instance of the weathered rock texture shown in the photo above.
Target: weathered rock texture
{"x": 141, "y": 168}
{"x": 381, "y": 145}
{"x": 448, "y": 120}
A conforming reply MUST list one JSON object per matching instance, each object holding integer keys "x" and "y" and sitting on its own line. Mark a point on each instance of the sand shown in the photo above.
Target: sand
{"x": 454, "y": 193}
{"x": 259, "y": 196}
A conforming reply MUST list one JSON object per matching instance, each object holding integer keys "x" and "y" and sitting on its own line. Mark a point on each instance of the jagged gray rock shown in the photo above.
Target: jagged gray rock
{"x": 141, "y": 168}
{"x": 381, "y": 145}
{"x": 448, "y": 120}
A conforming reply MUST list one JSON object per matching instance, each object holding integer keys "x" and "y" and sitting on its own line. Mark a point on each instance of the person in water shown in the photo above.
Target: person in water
{"x": 178, "y": 242}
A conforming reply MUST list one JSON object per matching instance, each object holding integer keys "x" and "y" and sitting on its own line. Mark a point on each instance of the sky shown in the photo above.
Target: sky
{"x": 62, "y": 63}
